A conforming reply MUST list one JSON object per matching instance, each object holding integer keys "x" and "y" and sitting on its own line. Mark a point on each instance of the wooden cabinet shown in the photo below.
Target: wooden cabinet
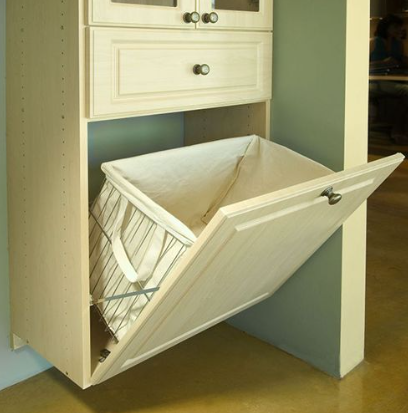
{"x": 64, "y": 72}
{"x": 183, "y": 14}
{"x": 98, "y": 60}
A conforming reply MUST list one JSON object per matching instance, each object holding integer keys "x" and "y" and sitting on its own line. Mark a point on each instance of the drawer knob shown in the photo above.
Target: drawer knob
{"x": 210, "y": 18}
{"x": 201, "y": 70}
{"x": 193, "y": 17}
{"x": 333, "y": 197}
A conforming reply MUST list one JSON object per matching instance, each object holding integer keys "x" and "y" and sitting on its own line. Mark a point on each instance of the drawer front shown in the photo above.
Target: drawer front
{"x": 141, "y": 13}
{"x": 137, "y": 72}
{"x": 236, "y": 14}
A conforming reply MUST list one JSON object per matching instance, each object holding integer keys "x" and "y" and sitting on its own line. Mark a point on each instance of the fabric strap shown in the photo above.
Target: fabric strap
{"x": 153, "y": 251}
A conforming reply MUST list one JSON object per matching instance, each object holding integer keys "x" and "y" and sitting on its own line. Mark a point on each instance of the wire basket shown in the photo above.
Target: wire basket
{"x": 147, "y": 252}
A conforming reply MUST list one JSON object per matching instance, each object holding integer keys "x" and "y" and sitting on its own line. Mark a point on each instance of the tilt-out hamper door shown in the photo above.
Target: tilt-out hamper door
{"x": 247, "y": 251}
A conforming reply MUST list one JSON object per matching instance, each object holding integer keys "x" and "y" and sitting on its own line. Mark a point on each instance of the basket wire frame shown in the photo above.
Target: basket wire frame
{"x": 118, "y": 301}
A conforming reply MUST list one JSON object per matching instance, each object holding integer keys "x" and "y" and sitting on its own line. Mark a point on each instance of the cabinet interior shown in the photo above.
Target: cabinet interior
{"x": 194, "y": 127}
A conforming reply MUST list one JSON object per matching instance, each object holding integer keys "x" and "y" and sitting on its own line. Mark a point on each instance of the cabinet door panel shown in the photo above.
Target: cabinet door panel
{"x": 238, "y": 14}
{"x": 245, "y": 254}
{"x": 137, "y": 72}
{"x": 141, "y": 13}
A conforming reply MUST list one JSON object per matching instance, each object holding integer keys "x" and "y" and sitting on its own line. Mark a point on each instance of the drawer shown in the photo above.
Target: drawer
{"x": 139, "y": 72}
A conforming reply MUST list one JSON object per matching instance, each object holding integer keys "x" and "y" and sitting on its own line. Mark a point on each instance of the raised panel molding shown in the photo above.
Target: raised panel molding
{"x": 140, "y": 72}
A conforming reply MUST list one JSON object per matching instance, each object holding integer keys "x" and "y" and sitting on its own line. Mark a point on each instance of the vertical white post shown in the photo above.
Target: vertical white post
{"x": 355, "y": 153}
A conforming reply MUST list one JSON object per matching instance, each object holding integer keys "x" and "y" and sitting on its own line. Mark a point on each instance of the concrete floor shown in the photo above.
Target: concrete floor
{"x": 235, "y": 373}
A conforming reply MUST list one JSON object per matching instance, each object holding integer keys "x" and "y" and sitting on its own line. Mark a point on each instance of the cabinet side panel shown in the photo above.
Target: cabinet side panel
{"x": 47, "y": 176}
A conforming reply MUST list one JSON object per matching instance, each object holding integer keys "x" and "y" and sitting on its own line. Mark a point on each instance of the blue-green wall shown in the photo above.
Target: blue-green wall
{"x": 308, "y": 114}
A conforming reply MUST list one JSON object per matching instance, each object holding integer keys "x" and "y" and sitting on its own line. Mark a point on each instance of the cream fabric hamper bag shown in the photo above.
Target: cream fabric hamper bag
{"x": 152, "y": 208}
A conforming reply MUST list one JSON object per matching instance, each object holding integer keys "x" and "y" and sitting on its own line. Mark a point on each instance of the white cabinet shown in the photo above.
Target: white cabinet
{"x": 98, "y": 60}
{"x": 185, "y": 14}
{"x": 221, "y": 80}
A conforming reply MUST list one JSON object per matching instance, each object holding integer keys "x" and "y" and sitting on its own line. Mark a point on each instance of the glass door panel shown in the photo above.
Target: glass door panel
{"x": 237, "y": 5}
{"x": 236, "y": 14}
{"x": 164, "y": 3}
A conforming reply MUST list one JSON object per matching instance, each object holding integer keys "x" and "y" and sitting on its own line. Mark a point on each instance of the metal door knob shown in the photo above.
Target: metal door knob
{"x": 332, "y": 197}
{"x": 201, "y": 70}
{"x": 193, "y": 17}
{"x": 210, "y": 18}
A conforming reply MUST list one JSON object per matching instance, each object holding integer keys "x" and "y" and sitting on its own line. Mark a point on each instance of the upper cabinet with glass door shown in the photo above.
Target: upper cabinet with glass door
{"x": 187, "y": 14}
{"x": 236, "y": 14}
{"x": 144, "y": 13}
